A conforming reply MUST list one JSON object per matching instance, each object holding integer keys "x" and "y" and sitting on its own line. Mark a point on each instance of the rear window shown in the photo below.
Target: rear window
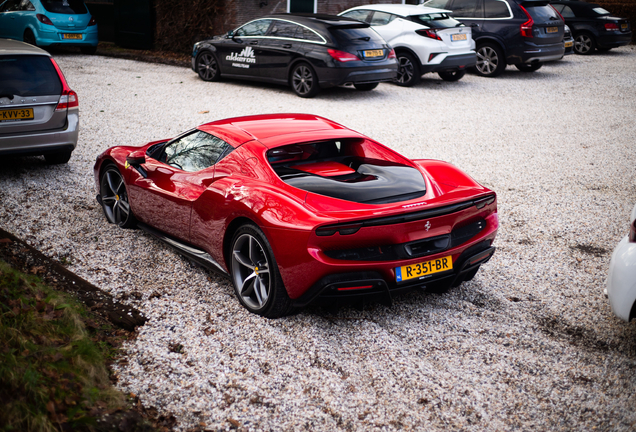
{"x": 356, "y": 36}
{"x": 601, "y": 11}
{"x": 436, "y": 20}
{"x": 543, "y": 14}
{"x": 68, "y": 7}
{"x": 28, "y": 76}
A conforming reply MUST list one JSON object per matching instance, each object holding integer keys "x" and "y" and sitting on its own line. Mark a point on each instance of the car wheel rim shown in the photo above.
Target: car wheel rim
{"x": 250, "y": 271}
{"x": 302, "y": 80}
{"x": 115, "y": 198}
{"x": 405, "y": 70}
{"x": 487, "y": 60}
{"x": 207, "y": 66}
{"x": 582, "y": 43}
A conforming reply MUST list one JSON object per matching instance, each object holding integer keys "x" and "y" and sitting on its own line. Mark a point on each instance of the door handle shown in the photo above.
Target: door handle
{"x": 287, "y": 46}
{"x": 254, "y": 43}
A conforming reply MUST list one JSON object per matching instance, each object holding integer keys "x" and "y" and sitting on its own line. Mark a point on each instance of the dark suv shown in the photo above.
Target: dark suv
{"x": 525, "y": 33}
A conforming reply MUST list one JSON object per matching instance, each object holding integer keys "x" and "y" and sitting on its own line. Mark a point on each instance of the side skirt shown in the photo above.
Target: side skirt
{"x": 197, "y": 255}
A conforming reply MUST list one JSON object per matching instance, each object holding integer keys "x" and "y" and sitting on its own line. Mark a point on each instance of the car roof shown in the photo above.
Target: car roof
{"x": 239, "y": 130}
{"x": 14, "y": 47}
{"x": 401, "y": 9}
{"x": 308, "y": 19}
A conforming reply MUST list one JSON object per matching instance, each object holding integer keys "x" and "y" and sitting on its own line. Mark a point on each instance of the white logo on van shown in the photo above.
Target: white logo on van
{"x": 245, "y": 56}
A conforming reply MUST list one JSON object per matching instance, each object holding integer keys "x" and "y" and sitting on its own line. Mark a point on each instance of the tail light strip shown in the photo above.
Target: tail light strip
{"x": 68, "y": 99}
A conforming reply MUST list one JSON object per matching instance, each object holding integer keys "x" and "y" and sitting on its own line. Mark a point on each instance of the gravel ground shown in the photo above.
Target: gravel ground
{"x": 529, "y": 344}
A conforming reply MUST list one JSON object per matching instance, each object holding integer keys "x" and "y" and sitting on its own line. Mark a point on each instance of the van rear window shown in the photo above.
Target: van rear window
{"x": 28, "y": 75}
{"x": 68, "y": 7}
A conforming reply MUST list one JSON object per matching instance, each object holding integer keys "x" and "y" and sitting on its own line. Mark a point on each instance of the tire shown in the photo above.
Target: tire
{"x": 490, "y": 60}
{"x": 257, "y": 281}
{"x": 409, "y": 73}
{"x": 304, "y": 80}
{"x": 114, "y": 198}
{"x": 451, "y": 76}
{"x": 529, "y": 67}
{"x": 58, "y": 158}
{"x": 207, "y": 67}
{"x": 88, "y": 50}
{"x": 29, "y": 37}
{"x": 366, "y": 87}
{"x": 584, "y": 43}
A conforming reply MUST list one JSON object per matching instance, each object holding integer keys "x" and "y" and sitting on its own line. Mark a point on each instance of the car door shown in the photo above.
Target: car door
{"x": 9, "y": 11}
{"x": 240, "y": 55}
{"x": 174, "y": 179}
{"x": 278, "y": 49}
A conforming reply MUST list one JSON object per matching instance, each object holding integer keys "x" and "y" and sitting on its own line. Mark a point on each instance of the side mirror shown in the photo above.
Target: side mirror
{"x": 230, "y": 34}
{"x": 136, "y": 158}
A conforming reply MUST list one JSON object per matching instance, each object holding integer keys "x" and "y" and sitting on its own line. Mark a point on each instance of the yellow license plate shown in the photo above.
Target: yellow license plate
{"x": 373, "y": 53}
{"x": 624, "y": 26}
{"x": 458, "y": 37}
{"x": 552, "y": 29}
{"x": 413, "y": 271}
{"x": 569, "y": 44}
{"x": 71, "y": 36}
{"x": 16, "y": 114}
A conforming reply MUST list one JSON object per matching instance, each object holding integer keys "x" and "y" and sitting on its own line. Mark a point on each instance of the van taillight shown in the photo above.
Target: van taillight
{"x": 68, "y": 99}
{"x": 526, "y": 27}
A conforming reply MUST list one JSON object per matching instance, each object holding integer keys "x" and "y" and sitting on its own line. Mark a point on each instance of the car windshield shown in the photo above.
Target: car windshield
{"x": 68, "y": 7}
{"x": 356, "y": 36}
{"x": 28, "y": 76}
{"x": 601, "y": 11}
{"x": 436, "y": 20}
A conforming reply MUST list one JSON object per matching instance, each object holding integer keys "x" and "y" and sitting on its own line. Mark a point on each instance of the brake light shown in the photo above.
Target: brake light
{"x": 92, "y": 22}
{"x": 342, "y": 56}
{"x": 391, "y": 54}
{"x": 429, "y": 33}
{"x": 611, "y": 27}
{"x": 68, "y": 98}
{"x": 43, "y": 19}
{"x": 558, "y": 13}
{"x": 526, "y": 27}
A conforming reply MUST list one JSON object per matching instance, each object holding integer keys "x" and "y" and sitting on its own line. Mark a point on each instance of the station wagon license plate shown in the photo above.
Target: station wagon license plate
{"x": 71, "y": 36}
{"x": 373, "y": 53}
{"x": 458, "y": 37}
{"x": 552, "y": 29}
{"x": 16, "y": 115}
{"x": 624, "y": 26}
{"x": 568, "y": 44}
{"x": 413, "y": 271}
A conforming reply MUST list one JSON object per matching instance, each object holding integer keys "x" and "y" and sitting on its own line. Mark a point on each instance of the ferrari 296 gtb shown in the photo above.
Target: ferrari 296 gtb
{"x": 295, "y": 208}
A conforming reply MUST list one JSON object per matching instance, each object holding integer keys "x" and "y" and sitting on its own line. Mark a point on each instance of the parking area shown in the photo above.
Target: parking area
{"x": 530, "y": 343}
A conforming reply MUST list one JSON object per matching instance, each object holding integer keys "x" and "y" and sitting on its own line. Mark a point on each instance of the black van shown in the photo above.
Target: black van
{"x": 525, "y": 33}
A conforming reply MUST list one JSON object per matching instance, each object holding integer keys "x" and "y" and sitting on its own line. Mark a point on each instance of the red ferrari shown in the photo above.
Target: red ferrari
{"x": 296, "y": 208}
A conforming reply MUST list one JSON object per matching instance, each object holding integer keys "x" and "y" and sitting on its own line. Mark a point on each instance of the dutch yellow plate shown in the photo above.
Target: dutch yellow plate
{"x": 569, "y": 44}
{"x": 413, "y": 271}
{"x": 71, "y": 36}
{"x": 552, "y": 29}
{"x": 373, "y": 53}
{"x": 16, "y": 114}
{"x": 458, "y": 37}
{"x": 624, "y": 26}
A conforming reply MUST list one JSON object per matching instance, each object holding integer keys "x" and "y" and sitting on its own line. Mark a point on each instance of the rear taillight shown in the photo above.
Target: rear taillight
{"x": 391, "y": 54}
{"x": 632, "y": 232}
{"x": 429, "y": 33}
{"x": 611, "y": 27}
{"x": 68, "y": 98}
{"x": 526, "y": 27}
{"x": 43, "y": 19}
{"x": 342, "y": 56}
{"x": 92, "y": 22}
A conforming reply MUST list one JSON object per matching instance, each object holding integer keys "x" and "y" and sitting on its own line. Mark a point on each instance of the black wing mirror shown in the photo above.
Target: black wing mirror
{"x": 230, "y": 34}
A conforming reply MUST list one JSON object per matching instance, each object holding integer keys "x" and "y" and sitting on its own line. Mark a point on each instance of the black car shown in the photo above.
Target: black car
{"x": 593, "y": 27}
{"x": 525, "y": 33}
{"x": 306, "y": 51}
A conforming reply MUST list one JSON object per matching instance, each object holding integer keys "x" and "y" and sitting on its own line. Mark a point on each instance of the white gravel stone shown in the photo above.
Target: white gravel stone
{"x": 529, "y": 344}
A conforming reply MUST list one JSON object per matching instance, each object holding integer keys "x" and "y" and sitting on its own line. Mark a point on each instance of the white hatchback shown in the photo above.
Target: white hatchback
{"x": 621, "y": 282}
{"x": 425, "y": 39}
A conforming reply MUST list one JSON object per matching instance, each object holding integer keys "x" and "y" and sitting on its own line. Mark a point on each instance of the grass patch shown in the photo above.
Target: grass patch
{"x": 53, "y": 356}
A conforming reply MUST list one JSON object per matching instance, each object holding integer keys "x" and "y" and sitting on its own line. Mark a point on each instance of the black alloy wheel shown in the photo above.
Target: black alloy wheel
{"x": 114, "y": 198}
{"x": 207, "y": 67}
{"x": 304, "y": 81}
{"x": 455, "y": 75}
{"x": 257, "y": 281}
{"x": 29, "y": 37}
{"x": 408, "y": 70}
{"x": 490, "y": 60}
{"x": 366, "y": 86}
{"x": 584, "y": 44}
{"x": 529, "y": 67}
{"x": 58, "y": 158}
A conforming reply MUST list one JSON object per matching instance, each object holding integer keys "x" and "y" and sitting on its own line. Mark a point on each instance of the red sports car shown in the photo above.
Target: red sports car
{"x": 296, "y": 208}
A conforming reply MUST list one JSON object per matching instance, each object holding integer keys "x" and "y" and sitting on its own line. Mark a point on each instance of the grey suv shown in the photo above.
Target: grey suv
{"x": 39, "y": 113}
{"x": 525, "y": 33}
